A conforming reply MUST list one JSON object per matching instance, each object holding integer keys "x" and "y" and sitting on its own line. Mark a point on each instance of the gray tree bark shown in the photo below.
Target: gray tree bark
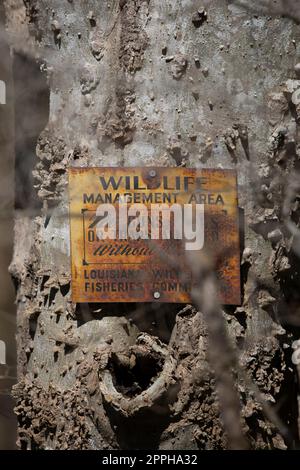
{"x": 7, "y": 294}
{"x": 146, "y": 82}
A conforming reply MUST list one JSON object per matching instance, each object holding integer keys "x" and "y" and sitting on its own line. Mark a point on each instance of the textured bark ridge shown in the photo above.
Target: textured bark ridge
{"x": 143, "y": 82}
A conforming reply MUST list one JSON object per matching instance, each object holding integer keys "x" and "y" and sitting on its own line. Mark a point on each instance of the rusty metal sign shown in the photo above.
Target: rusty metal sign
{"x": 136, "y": 231}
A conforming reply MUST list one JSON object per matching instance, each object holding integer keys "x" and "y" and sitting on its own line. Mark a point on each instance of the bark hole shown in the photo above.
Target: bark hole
{"x": 64, "y": 290}
{"x": 135, "y": 375}
{"x": 33, "y": 324}
{"x": 52, "y": 295}
{"x": 44, "y": 280}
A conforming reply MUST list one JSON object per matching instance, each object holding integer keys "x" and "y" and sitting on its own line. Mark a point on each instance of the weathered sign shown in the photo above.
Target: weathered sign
{"x": 132, "y": 229}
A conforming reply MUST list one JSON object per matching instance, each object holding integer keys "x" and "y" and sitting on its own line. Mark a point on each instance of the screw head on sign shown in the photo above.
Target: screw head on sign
{"x": 152, "y": 173}
{"x": 156, "y": 295}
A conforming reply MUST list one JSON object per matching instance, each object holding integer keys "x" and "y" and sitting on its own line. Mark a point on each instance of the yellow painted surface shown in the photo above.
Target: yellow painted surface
{"x": 151, "y": 270}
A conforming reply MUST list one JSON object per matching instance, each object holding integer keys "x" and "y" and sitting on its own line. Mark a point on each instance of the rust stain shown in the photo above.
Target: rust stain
{"x": 151, "y": 270}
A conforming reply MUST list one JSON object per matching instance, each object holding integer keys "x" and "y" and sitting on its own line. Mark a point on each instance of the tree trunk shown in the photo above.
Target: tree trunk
{"x": 141, "y": 83}
{"x": 7, "y": 309}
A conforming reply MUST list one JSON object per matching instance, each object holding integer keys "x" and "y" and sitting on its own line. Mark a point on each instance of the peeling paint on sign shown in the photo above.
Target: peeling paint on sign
{"x": 131, "y": 229}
